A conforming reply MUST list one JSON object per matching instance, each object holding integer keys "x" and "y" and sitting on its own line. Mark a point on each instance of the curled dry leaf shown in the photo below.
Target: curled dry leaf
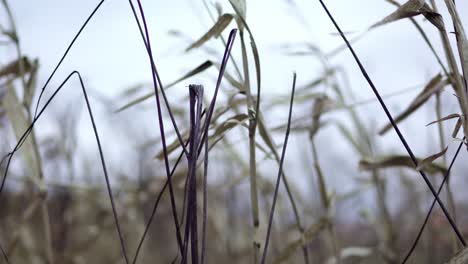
{"x": 451, "y": 116}
{"x": 394, "y": 161}
{"x": 200, "y": 68}
{"x": 433, "y": 17}
{"x": 428, "y": 161}
{"x": 410, "y": 9}
{"x": 229, "y": 124}
{"x": 435, "y": 85}
{"x": 220, "y": 25}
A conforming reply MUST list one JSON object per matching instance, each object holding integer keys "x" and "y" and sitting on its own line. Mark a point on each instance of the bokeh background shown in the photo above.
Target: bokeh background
{"x": 292, "y": 36}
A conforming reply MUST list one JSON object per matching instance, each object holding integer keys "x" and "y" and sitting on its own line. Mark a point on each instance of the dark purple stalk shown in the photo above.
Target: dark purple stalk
{"x": 191, "y": 225}
{"x": 155, "y": 72}
{"x": 196, "y": 94}
{"x": 227, "y": 53}
{"x": 161, "y": 129}
{"x": 395, "y": 127}
{"x": 278, "y": 178}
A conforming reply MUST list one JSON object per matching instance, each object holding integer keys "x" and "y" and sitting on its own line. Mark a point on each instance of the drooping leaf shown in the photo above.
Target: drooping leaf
{"x": 229, "y": 124}
{"x": 395, "y": 161}
{"x": 434, "y": 86}
{"x": 408, "y": 9}
{"x": 451, "y": 116}
{"x": 200, "y": 68}
{"x": 220, "y": 25}
{"x": 457, "y": 128}
{"x": 428, "y": 161}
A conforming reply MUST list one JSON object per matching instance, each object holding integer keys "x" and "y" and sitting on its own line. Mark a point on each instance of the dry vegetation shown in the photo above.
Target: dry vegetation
{"x": 170, "y": 211}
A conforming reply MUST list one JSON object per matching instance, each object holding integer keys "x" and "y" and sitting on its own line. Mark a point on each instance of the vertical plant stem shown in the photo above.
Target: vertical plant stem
{"x": 161, "y": 128}
{"x": 252, "y": 151}
{"x": 191, "y": 225}
{"x": 280, "y": 170}
{"x": 333, "y": 245}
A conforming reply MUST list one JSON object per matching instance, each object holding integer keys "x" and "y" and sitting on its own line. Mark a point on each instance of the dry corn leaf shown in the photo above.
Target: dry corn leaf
{"x": 229, "y": 124}
{"x": 457, "y": 128}
{"x": 451, "y": 116}
{"x": 410, "y": 9}
{"x": 434, "y": 86}
{"x": 220, "y": 25}
{"x": 200, "y": 68}
{"x": 428, "y": 161}
{"x": 433, "y": 17}
{"x": 398, "y": 161}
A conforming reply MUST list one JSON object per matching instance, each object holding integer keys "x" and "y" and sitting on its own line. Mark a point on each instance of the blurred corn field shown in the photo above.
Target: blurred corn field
{"x": 230, "y": 172}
